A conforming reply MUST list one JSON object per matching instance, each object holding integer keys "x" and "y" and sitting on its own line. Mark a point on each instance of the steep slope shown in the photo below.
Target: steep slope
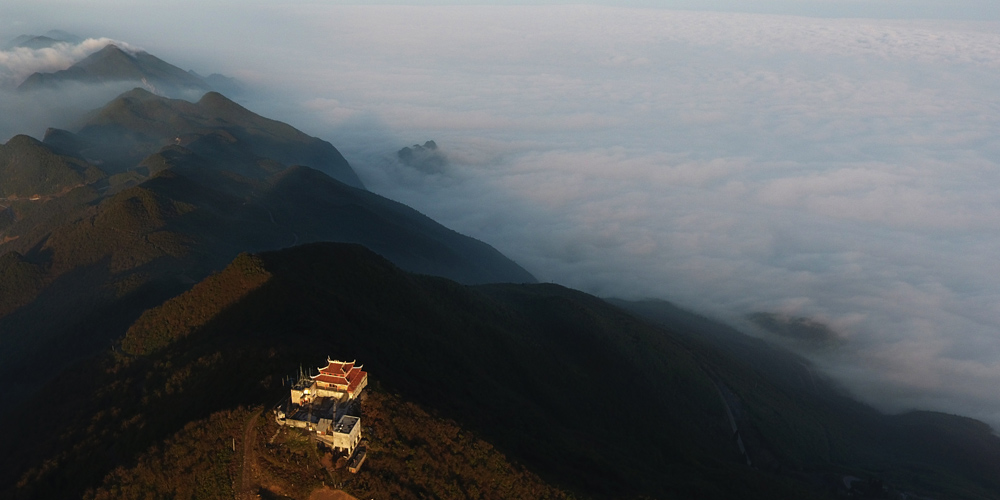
{"x": 139, "y": 123}
{"x": 29, "y": 167}
{"x": 315, "y": 207}
{"x": 791, "y": 417}
{"x": 583, "y": 394}
{"x": 95, "y": 252}
{"x": 112, "y": 64}
{"x": 587, "y": 396}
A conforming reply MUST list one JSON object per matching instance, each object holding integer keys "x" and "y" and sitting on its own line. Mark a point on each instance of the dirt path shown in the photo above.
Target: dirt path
{"x": 248, "y": 471}
{"x": 327, "y": 493}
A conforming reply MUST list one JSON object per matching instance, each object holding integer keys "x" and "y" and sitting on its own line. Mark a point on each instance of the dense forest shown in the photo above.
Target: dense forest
{"x": 589, "y": 398}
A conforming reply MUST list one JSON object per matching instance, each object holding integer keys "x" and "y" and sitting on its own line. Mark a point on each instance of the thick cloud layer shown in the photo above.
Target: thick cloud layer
{"x": 838, "y": 170}
{"x": 32, "y": 112}
{"x": 19, "y": 63}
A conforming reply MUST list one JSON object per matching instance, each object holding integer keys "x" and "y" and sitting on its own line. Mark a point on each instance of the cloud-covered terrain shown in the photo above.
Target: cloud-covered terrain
{"x": 32, "y": 112}
{"x": 837, "y": 170}
{"x": 18, "y": 63}
{"x": 841, "y": 171}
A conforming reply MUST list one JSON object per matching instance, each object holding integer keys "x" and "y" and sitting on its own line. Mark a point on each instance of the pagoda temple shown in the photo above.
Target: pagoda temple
{"x": 340, "y": 378}
{"x": 327, "y": 405}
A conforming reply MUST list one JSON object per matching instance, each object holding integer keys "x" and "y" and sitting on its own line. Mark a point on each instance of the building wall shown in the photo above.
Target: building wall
{"x": 344, "y": 442}
{"x": 299, "y": 391}
{"x": 329, "y": 393}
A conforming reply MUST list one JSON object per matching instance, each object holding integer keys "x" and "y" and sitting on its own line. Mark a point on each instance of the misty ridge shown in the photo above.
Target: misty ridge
{"x": 52, "y": 80}
{"x": 813, "y": 184}
{"x": 831, "y": 170}
{"x": 736, "y": 164}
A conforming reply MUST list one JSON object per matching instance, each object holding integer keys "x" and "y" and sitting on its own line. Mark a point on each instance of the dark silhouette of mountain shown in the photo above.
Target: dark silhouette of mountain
{"x": 114, "y": 65}
{"x": 95, "y": 249}
{"x": 427, "y": 158}
{"x": 34, "y": 42}
{"x": 589, "y": 397}
{"x": 123, "y": 351}
{"x": 138, "y": 124}
{"x": 791, "y": 415}
{"x": 42, "y": 41}
{"x": 222, "y": 84}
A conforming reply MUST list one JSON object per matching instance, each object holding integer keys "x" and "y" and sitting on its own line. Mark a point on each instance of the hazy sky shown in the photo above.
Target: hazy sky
{"x": 778, "y": 157}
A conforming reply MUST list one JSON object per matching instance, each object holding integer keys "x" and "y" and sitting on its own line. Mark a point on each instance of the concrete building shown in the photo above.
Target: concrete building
{"x": 323, "y": 404}
{"x": 344, "y": 436}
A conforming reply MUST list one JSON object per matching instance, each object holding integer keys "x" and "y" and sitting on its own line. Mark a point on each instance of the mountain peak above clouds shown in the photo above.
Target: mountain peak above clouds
{"x": 113, "y": 64}
{"x": 138, "y": 123}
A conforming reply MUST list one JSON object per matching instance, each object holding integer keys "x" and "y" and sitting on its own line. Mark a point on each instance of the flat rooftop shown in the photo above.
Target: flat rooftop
{"x": 319, "y": 408}
{"x": 346, "y": 424}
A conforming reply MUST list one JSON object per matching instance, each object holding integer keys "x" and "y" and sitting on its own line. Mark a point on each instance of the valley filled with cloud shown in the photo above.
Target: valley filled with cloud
{"x": 840, "y": 170}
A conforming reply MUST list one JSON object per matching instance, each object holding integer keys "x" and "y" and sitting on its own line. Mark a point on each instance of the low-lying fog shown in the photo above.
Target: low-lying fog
{"x": 840, "y": 170}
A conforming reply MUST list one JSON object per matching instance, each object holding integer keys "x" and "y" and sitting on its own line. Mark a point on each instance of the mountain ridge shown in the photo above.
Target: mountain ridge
{"x": 111, "y": 64}
{"x": 589, "y": 397}
{"x": 139, "y": 123}
{"x": 143, "y": 216}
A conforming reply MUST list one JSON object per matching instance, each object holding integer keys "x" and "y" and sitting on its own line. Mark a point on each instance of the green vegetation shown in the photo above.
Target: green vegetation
{"x": 198, "y": 462}
{"x": 174, "y": 213}
{"x": 547, "y": 379}
{"x": 138, "y": 124}
{"x": 579, "y": 392}
{"x": 411, "y": 455}
{"x": 20, "y": 281}
{"x": 184, "y": 314}
{"x": 30, "y": 168}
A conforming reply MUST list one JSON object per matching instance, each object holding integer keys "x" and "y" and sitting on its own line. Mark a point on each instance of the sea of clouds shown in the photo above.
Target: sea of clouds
{"x": 843, "y": 170}
{"x": 33, "y": 112}
{"x": 840, "y": 170}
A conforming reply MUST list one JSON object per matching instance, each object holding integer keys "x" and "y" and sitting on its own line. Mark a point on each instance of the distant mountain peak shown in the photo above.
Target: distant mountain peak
{"x": 137, "y": 94}
{"x": 109, "y": 50}
{"x": 138, "y": 123}
{"x": 114, "y": 64}
{"x": 218, "y": 102}
{"x": 49, "y": 39}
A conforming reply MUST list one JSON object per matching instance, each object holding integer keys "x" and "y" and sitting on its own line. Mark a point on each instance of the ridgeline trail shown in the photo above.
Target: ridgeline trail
{"x": 248, "y": 470}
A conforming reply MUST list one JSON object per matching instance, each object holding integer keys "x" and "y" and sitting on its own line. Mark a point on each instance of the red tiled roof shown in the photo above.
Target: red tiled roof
{"x": 330, "y": 379}
{"x": 333, "y": 369}
{"x": 341, "y": 374}
{"x": 337, "y": 367}
{"x": 356, "y": 380}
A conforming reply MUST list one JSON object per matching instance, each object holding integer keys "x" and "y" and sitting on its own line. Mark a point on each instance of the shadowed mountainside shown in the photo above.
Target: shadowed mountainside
{"x": 93, "y": 250}
{"x": 580, "y": 392}
{"x": 793, "y": 418}
{"x": 49, "y": 39}
{"x": 584, "y": 394}
{"x": 138, "y": 124}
